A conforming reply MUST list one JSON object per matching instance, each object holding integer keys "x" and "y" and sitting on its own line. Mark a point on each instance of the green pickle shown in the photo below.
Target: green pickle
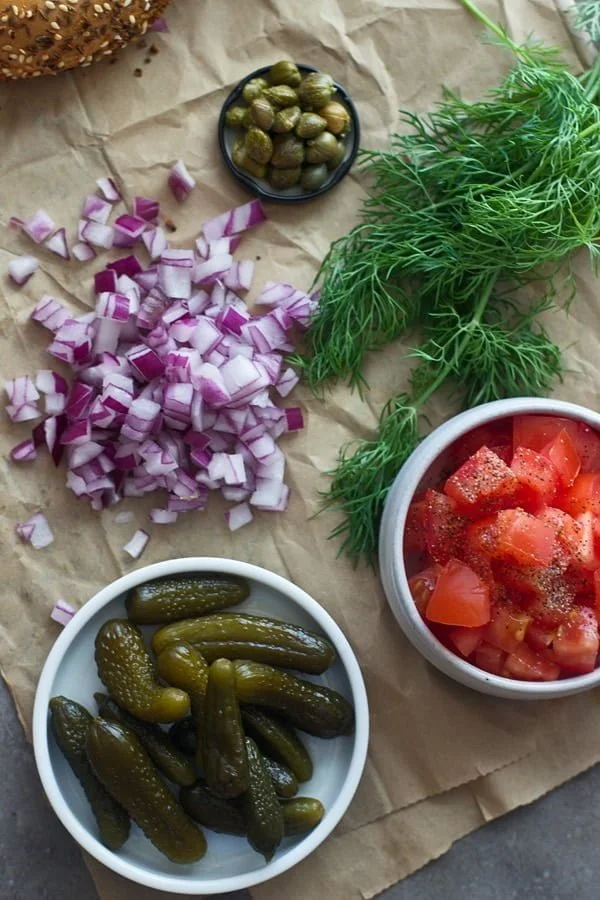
{"x": 281, "y": 95}
{"x": 246, "y": 163}
{"x": 183, "y": 596}
{"x": 278, "y": 740}
{"x": 184, "y": 667}
{"x": 314, "y": 708}
{"x": 70, "y": 722}
{"x": 254, "y": 88}
{"x": 223, "y": 750}
{"x": 286, "y": 119}
{"x": 282, "y": 179}
{"x": 127, "y": 772}
{"x": 245, "y": 636}
{"x": 211, "y": 811}
{"x": 284, "y": 72}
{"x": 258, "y": 145}
{"x": 262, "y": 811}
{"x": 127, "y": 671}
{"x": 284, "y": 780}
{"x": 301, "y": 815}
{"x": 235, "y": 116}
{"x": 157, "y": 744}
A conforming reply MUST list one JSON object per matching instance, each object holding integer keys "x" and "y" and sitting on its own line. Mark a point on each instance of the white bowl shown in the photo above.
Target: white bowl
{"x": 230, "y": 863}
{"x": 419, "y": 472}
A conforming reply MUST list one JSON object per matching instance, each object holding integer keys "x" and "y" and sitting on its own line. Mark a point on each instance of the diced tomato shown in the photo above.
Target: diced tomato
{"x": 537, "y": 476}
{"x": 422, "y": 586}
{"x": 536, "y": 432}
{"x": 575, "y": 646}
{"x": 444, "y": 527}
{"x": 459, "y": 598}
{"x": 492, "y": 434}
{"x": 507, "y": 628}
{"x": 583, "y": 496}
{"x": 597, "y": 591}
{"x": 490, "y": 659}
{"x": 525, "y": 539}
{"x": 539, "y": 637}
{"x": 483, "y": 484}
{"x": 503, "y": 450}
{"x": 527, "y": 665}
{"x": 466, "y": 640}
{"x": 588, "y": 447}
{"x": 562, "y": 453}
{"x": 586, "y": 554}
{"x": 567, "y": 531}
{"x": 414, "y": 530}
{"x": 479, "y": 543}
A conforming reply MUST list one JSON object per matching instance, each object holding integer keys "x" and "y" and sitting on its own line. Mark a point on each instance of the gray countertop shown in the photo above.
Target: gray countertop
{"x": 548, "y": 849}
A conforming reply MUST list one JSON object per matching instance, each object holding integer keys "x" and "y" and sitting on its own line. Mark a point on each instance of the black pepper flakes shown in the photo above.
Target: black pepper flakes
{"x": 170, "y": 225}
{"x": 138, "y": 73}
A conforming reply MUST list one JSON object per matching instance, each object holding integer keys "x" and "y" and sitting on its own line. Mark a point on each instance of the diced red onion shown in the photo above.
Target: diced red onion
{"x": 287, "y": 382}
{"x": 83, "y": 252}
{"x": 294, "y": 420}
{"x": 270, "y": 494}
{"x": 113, "y": 306}
{"x": 79, "y": 432}
{"x": 36, "y": 531}
{"x": 155, "y": 242}
{"x": 127, "y": 265}
{"x": 146, "y": 362}
{"x": 97, "y": 234}
{"x": 202, "y": 247}
{"x": 50, "y": 313}
{"x": 175, "y": 272}
{"x": 135, "y": 547}
{"x": 239, "y": 277}
{"x": 146, "y": 208}
{"x": 180, "y": 181}
{"x": 210, "y": 270}
{"x": 39, "y": 226}
{"x": 140, "y": 419}
{"x": 24, "y": 452}
{"x": 21, "y": 268}
{"x": 96, "y": 209}
{"x": 163, "y": 516}
{"x": 109, "y": 190}
{"x": 235, "y": 221}
{"x": 62, "y": 612}
{"x": 58, "y": 244}
{"x": 238, "y": 516}
{"x": 128, "y": 230}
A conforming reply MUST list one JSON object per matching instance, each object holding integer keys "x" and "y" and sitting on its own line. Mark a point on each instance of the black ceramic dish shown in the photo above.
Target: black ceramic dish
{"x": 260, "y": 186}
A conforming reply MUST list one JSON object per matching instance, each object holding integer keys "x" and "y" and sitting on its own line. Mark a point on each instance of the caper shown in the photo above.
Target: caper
{"x": 286, "y": 119}
{"x": 281, "y": 95}
{"x": 321, "y": 148}
{"x": 284, "y": 72}
{"x": 281, "y": 179}
{"x": 335, "y": 160}
{"x": 262, "y": 113}
{"x": 337, "y": 117}
{"x": 315, "y": 90}
{"x": 288, "y": 151}
{"x": 310, "y": 125}
{"x": 246, "y": 163}
{"x": 258, "y": 145}
{"x": 236, "y": 116}
{"x": 314, "y": 177}
{"x": 254, "y": 89}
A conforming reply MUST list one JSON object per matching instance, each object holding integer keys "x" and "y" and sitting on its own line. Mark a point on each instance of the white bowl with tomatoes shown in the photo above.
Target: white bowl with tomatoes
{"x": 489, "y": 548}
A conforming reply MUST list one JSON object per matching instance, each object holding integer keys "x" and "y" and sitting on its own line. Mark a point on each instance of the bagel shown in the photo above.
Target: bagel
{"x": 45, "y": 37}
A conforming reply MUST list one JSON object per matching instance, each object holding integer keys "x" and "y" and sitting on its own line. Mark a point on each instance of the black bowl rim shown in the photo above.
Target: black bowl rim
{"x": 249, "y": 181}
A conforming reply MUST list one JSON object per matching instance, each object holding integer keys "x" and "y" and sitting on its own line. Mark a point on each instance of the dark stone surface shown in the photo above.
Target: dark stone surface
{"x": 548, "y": 850}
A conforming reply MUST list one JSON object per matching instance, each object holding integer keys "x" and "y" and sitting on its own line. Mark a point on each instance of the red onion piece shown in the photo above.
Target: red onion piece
{"x": 79, "y": 432}
{"x": 239, "y": 277}
{"x": 145, "y": 208}
{"x": 145, "y": 362}
{"x": 96, "y": 209}
{"x": 62, "y": 612}
{"x": 127, "y": 265}
{"x": 113, "y": 306}
{"x": 238, "y": 516}
{"x": 235, "y": 221}
{"x": 219, "y": 246}
{"x": 109, "y": 190}
{"x": 129, "y": 230}
{"x": 35, "y": 531}
{"x": 21, "y": 268}
{"x": 163, "y": 516}
{"x": 50, "y": 313}
{"x": 96, "y": 234}
{"x": 136, "y": 545}
{"x": 287, "y": 382}
{"x": 83, "y": 252}
{"x": 155, "y": 242}
{"x": 24, "y": 452}
{"x": 58, "y": 244}
{"x": 208, "y": 271}
{"x": 39, "y": 226}
{"x": 294, "y": 420}
{"x": 181, "y": 182}
{"x": 140, "y": 419}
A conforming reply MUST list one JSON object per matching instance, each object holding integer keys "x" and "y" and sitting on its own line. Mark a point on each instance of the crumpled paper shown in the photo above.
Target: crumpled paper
{"x": 442, "y": 759}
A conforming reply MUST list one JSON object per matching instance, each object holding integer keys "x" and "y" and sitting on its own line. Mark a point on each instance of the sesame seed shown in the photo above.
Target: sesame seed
{"x": 55, "y": 26}
{"x": 49, "y": 4}
{"x": 15, "y": 10}
{"x": 61, "y": 65}
{"x": 98, "y": 8}
{"x": 58, "y": 37}
{"x": 35, "y": 74}
{"x": 63, "y": 7}
{"x": 107, "y": 7}
{"x": 7, "y": 47}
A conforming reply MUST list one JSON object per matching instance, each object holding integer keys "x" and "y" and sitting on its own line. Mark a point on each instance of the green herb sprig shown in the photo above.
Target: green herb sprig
{"x": 476, "y": 202}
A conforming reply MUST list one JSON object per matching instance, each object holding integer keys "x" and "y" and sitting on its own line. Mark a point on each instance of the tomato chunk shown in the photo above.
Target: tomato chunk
{"x": 414, "y": 530}
{"x": 466, "y": 640}
{"x": 588, "y": 447}
{"x": 524, "y": 538}
{"x": 539, "y": 637}
{"x": 575, "y": 646}
{"x": 537, "y": 476}
{"x": 536, "y": 431}
{"x": 583, "y": 496}
{"x": 490, "y": 659}
{"x": 562, "y": 453}
{"x": 483, "y": 483}
{"x": 527, "y": 665}
{"x": 460, "y": 597}
{"x": 586, "y": 552}
{"x": 493, "y": 435}
{"x": 507, "y": 628}
{"x": 597, "y": 591}
{"x": 444, "y": 527}
{"x": 422, "y": 586}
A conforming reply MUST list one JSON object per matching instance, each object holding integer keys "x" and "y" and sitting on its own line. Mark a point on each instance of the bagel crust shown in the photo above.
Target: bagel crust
{"x": 44, "y": 37}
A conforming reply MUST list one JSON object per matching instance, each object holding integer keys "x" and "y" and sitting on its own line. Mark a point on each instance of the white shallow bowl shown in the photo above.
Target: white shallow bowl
{"x": 230, "y": 863}
{"x": 420, "y": 471}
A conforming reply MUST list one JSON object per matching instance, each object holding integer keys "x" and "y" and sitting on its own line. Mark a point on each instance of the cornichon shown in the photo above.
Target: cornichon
{"x": 301, "y": 814}
{"x": 211, "y": 811}
{"x": 177, "y": 767}
{"x": 262, "y": 812}
{"x": 182, "y": 596}
{"x": 127, "y": 772}
{"x": 278, "y": 740}
{"x": 127, "y": 671}
{"x": 243, "y": 636}
{"x": 223, "y": 751}
{"x": 284, "y": 780}
{"x": 314, "y": 708}
{"x": 181, "y": 665}
{"x": 70, "y": 722}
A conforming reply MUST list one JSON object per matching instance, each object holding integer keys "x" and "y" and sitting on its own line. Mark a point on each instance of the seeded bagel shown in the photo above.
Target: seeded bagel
{"x": 44, "y": 37}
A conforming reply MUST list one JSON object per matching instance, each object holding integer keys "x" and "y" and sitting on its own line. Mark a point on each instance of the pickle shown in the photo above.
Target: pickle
{"x": 127, "y": 671}
{"x": 127, "y": 772}
{"x": 278, "y": 740}
{"x": 211, "y": 811}
{"x": 70, "y": 722}
{"x": 301, "y": 815}
{"x": 182, "y": 666}
{"x": 244, "y": 636}
{"x": 223, "y": 750}
{"x": 262, "y": 812}
{"x": 163, "y": 753}
{"x": 284, "y": 780}
{"x": 314, "y": 708}
{"x": 183, "y": 735}
{"x": 182, "y": 596}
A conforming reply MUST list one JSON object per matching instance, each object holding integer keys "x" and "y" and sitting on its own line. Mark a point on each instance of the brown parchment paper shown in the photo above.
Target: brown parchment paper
{"x": 442, "y": 759}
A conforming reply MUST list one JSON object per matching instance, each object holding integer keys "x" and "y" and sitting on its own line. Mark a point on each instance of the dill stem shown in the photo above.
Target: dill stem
{"x": 593, "y": 82}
